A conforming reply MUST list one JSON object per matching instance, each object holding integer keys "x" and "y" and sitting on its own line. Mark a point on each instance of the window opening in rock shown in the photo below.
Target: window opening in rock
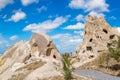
{"x": 48, "y": 52}
{"x": 89, "y": 48}
{"x": 105, "y": 31}
{"x": 91, "y": 40}
{"x": 91, "y": 56}
{"x": 83, "y": 51}
{"x": 112, "y": 36}
{"x": 54, "y": 56}
{"x": 35, "y": 45}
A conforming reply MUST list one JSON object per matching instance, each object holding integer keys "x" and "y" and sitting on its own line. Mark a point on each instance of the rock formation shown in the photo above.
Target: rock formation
{"x": 97, "y": 35}
{"x": 38, "y": 57}
{"x": 41, "y": 44}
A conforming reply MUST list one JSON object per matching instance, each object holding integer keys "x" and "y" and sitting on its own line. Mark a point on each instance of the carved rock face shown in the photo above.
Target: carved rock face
{"x": 41, "y": 44}
{"x": 40, "y": 49}
{"x": 97, "y": 35}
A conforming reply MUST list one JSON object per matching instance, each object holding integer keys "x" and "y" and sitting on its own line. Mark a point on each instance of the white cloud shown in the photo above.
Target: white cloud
{"x": 58, "y": 36}
{"x": 113, "y": 18}
{"x": 4, "y": 16}
{"x": 14, "y": 37}
{"x": 77, "y": 4}
{"x": 4, "y": 3}
{"x": 27, "y": 2}
{"x": 78, "y": 40}
{"x": 90, "y": 5}
{"x": 96, "y": 14}
{"x": 3, "y": 43}
{"x": 45, "y": 26}
{"x": 67, "y": 37}
{"x": 80, "y": 17}
{"x": 81, "y": 32}
{"x": 43, "y": 8}
{"x": 17, "y": 16}
{"x": 77, "y": 26}
{"x": 118, "y": 28}
{"x": 68, "y": 42}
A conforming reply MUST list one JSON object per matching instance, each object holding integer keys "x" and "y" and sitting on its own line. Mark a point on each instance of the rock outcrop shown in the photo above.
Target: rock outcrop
{"x": 41, "y": 44}
{"x": 97, "y": 35}
{"x": 31, "y": 60}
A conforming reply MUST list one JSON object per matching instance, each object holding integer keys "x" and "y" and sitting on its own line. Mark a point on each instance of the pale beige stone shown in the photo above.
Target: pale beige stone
{"x": 97, "y": 35}
{"x": 40, "y": 48}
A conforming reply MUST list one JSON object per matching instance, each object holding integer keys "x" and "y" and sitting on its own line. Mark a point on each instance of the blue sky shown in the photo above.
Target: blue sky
{"x": 62, "y": 20}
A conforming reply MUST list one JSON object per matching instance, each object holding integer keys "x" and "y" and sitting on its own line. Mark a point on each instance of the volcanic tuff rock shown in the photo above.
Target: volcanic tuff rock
{"x": 41, "y": 44}
{"x": 39, "y": 58}
{"x": 31, "y": 60}
{"x": 97, "y": 35}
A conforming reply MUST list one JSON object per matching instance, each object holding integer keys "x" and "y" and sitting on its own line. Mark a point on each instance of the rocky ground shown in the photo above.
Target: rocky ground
{"x": 112, "y": 69}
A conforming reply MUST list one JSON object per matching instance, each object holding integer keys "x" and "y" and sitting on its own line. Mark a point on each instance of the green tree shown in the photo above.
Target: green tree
{"x": 114, "y": 49}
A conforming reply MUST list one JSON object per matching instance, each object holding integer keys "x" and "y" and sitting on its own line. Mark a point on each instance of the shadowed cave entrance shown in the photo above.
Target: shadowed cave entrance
{"x": 49, "y": 52}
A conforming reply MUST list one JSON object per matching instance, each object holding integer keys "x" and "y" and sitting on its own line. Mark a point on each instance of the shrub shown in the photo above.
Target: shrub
{"x": 114, "y": 49}
{"x": 67, "y": 67}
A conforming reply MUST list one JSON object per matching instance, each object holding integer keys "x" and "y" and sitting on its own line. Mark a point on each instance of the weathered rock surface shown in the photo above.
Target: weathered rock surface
{"x": 41, "y": 44}
{"x": 97, "y": 35}
{"x": 31, "y": 60}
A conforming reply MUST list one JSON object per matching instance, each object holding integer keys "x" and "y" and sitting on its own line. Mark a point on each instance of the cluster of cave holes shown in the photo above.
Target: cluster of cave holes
{"x": 48, "y": 52}
{"x": 88, "y": 48}
{"x": 104, "y": 30}
{"x": 111, "y": 36}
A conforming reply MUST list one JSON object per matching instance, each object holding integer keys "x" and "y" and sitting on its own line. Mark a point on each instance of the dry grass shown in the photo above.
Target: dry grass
{"x": 101, "y": 64}
{"x": 32, "y": 66}
{"x": 2, "y": 62}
